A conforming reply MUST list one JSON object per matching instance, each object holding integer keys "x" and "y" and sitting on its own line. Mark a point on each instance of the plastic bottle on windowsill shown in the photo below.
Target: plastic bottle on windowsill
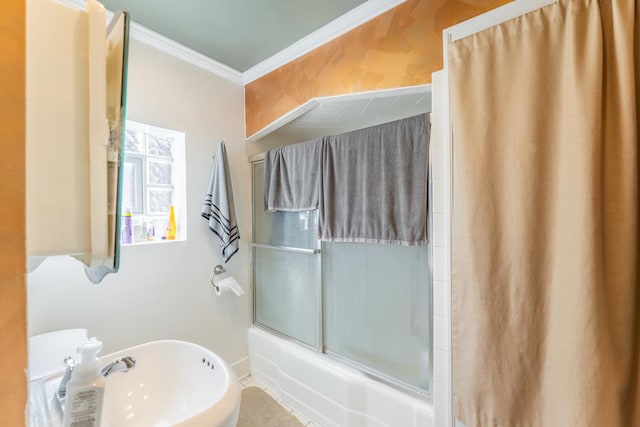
{"x": 127, "y": 228}
{"x": 150, "y": 231}
{"x": 171, "y": 224}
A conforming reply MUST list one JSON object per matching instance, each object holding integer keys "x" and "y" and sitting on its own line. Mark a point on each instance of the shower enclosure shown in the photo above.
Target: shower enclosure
{"x": 365, "y": 305}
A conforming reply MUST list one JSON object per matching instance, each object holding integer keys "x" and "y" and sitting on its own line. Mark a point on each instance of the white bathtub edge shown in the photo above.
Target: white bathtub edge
{"x": 327, "y": 392}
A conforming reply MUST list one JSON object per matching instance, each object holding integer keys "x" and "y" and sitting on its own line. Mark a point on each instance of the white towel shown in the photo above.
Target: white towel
{"x": 218, "y": 206}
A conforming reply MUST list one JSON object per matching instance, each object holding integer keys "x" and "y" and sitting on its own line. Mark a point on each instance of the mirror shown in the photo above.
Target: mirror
{"x": 117, "y": 62}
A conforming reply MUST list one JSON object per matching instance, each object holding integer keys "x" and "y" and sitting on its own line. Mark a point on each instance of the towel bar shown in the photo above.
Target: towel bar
{"x": 286, "y": 249}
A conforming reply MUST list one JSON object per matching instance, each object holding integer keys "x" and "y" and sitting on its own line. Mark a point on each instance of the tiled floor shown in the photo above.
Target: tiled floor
{"x": 249, "y": 381}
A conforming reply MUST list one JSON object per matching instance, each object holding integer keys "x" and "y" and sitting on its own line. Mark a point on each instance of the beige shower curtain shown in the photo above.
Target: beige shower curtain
{"x": 545, "y": 279}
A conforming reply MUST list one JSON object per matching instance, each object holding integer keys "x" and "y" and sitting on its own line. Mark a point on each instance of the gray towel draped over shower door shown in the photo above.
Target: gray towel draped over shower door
{"x": 292, "y": 177}
{"x": 369, "y": 185}
{"x": 374, "y": 184}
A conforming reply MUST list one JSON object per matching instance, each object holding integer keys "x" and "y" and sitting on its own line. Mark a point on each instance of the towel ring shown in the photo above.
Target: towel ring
{"x": 218, "y": 269}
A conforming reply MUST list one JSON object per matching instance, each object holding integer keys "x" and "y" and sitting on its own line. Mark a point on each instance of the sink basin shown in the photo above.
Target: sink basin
{"x": 174, "y": 383}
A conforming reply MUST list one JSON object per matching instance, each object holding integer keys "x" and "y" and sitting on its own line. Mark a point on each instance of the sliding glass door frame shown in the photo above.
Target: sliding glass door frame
{"x": 304, "y": 251}
{"x": 320, "y": 348}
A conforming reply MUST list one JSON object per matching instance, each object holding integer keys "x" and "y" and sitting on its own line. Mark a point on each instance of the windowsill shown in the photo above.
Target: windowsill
{"x": 151, "y": 242}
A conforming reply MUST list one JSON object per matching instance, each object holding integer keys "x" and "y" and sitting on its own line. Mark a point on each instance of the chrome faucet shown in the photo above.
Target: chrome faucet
{"x": 122, "y": 364}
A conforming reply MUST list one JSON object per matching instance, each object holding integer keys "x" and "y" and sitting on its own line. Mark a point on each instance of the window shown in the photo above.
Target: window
{"x": 153, "y": 181}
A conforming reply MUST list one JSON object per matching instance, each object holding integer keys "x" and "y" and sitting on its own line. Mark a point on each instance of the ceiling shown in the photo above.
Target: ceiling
{"x": 237, "y": 33}
{"x": 250, "y": 36}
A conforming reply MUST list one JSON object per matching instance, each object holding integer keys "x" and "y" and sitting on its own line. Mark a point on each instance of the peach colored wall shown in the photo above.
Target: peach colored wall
{"x": 401, "y": 47}
{"x": 13, "y": 337}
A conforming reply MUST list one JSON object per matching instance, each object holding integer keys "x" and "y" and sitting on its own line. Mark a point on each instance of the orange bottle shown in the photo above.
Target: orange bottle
{"x": 171, "y": 225}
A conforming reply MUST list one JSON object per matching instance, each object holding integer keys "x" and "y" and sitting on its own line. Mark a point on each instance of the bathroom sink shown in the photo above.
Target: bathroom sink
{"x": 174, "y": 383}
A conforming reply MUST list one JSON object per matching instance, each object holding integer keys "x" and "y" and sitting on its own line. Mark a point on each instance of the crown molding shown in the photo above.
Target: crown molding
{"x": 164, "y": 44}
{"x": 171, "y": 47}
{"x": 339, "y": 26}
{"x": 334, "y": 29}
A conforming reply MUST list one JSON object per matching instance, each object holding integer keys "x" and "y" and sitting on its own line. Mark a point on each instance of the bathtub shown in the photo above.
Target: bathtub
{"x": 328, "y": 392}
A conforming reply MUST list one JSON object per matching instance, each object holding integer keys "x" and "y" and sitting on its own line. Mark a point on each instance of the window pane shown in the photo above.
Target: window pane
{"x": 160, "y": 172}
{"x": 290, "y": 229}
{"x": 132, "y": 185}
{"x": 134, "y": 142}
{"x": 376, "y": 304}
{"x": 287, "y": 298}
{"x": 159, "y": 200}
{"x": 159, "y": 146}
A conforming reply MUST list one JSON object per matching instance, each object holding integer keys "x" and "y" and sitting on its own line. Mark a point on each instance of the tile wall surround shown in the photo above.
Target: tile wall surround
{"x": 440, "y": 153}
{"x": 441, "y": 174}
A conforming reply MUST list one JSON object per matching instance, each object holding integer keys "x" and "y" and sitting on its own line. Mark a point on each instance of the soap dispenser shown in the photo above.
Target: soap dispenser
{"x": 85, "y": 390}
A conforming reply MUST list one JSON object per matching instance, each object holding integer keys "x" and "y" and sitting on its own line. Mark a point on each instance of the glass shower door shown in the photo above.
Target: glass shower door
{"x": 286, "y": 258}
{"x": 376, "y": 314}
{"x": 367, "y": 305}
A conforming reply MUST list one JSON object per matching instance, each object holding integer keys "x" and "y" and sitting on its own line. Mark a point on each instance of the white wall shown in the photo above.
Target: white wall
{"x": 162, "y": 290}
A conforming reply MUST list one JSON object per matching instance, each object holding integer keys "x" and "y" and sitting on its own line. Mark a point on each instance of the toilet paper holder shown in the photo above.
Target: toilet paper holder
{"x": 217, "y": 270}
{"x": 227, "y": 284}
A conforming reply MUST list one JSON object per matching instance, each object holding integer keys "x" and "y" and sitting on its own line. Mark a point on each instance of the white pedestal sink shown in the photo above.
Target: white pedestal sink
{"x": 174, "y": 383}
